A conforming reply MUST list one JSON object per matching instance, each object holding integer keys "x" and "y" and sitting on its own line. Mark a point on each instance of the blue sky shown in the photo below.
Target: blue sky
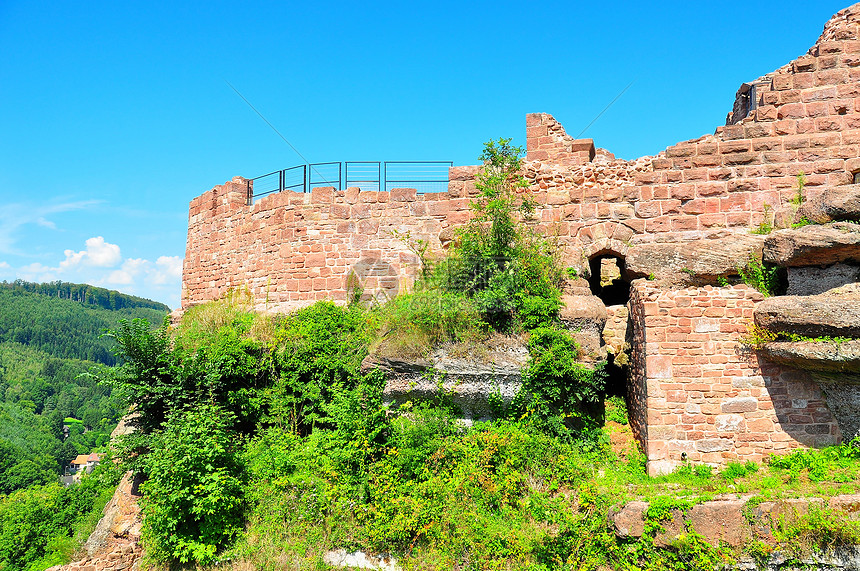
{"x": 115, "y": 115}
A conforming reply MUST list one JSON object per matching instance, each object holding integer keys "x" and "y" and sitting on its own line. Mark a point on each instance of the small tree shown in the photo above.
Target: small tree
{"x": 511, "y": 271}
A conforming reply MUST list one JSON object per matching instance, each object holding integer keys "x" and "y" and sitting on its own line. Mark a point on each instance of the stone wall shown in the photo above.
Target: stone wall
{"x": 693, "y": 390}
{"x": 290, "y": 248}
{"x": 700, "y": 393}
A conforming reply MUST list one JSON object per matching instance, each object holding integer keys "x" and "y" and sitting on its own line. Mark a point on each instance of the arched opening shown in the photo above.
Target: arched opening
{"x": 608, "y": 279}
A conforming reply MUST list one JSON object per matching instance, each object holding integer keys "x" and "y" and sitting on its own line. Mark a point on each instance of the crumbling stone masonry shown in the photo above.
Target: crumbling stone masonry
{"x": 682, "y": 218}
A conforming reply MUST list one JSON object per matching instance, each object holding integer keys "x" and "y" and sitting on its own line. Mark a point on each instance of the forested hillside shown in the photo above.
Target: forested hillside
{"x": 50, "y": 338}
{"x": 66, "y": 320}
{"x": 85, "y": 293}
{"x": 50, "y": 343}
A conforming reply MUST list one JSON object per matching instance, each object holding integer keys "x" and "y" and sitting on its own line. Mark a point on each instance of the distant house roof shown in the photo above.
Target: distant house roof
{"x": 81, "y": 459}
{"x": 94, "y": 457}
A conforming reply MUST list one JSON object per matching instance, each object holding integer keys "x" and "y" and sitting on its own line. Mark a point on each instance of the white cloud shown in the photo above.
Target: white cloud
{"x": 98, "y": 253}
{"x": 14, "y": 215}
{"x": 101, "y": 264}
{"x": 170, "y": 268}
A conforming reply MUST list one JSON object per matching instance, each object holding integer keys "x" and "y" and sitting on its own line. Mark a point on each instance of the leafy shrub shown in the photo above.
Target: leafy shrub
{"x": 512, "y": 272}
{"x": 193, "y": 498}
{"x": 616, "y": 410}
{"x": 41, "y": 526}
{"x": 558, "y": 391}
{"x": 360, "y": 425}
{"x": 735, "y": 470}
{"x": 315, "y": 350}
{"x": 762, "y": 276}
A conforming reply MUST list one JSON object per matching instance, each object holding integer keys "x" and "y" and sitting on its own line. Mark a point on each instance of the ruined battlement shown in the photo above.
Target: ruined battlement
{"x": 691, "y": 390}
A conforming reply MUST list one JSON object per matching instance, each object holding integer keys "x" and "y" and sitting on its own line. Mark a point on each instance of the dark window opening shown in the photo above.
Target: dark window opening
{"x": 608, "y": 279}
{"x": 857, "y": 177}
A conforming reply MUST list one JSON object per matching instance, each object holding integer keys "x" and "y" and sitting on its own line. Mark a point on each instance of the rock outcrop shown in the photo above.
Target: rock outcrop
{"x": 467, "y": 378}
{"x": 835, "y": 313}
{"x": 695, "y": 262}
{"x": 814, "y": 245}
{"x": 114, "y": 544}
{"x": 585, "y": 316}
{"x": 834, "y": 203}
{"x": 729, "y": 520}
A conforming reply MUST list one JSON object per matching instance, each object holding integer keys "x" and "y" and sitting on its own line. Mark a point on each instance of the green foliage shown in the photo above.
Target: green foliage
{"x": 757, "y": 336}
{"x": 42, "y": 525}
{"x": 616, "y": 410}
{"x": 412, "y": 324}
{"x": 798, "y": 198}
{"x": 838, "y": 462}
{"x": 558, "y": 391}
{"x": 804, "y": 221}
{"x": 817, "y": 530}
{"x": 512, "y": 272}
{"x": 735, "y": 470}
{"x": 360, "y": 425}
{"x": 193, "y": 498}
{"x": 762, "y": 276}
{"x": 766, "y": 225}
{"x": 143, "y": 379}
{"x": 327, "y": 465}
{"x": 315, "y": 352}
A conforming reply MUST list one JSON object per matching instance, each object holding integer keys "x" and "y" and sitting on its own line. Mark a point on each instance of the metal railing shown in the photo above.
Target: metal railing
{"x": 424, "y": 176}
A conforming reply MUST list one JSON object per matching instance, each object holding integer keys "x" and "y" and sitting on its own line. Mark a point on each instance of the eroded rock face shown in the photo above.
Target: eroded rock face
{"x": 840, "y": 359}
{"x": 468, "y": 379}
{"x": 835, "y": 203}
{"x": 698, "y": 261}
{"x": 584, "y": 316}
{"x": 843, "y": 400}
{"x": 835, "y": 313}
{"x": 814, "y": 245}
{"x": 815, "y": 280}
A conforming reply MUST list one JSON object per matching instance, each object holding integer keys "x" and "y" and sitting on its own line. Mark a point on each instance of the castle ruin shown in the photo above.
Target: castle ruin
{"x": 669, "y": 231}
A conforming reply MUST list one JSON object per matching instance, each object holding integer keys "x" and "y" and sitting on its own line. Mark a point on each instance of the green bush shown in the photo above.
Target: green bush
{"x": 193, "y": 498}
{"x": 512, "y": 272}
{"x": 762, "y": 276}
{"x": 314, "y": 351}
{"x": 41, "y": 526}
{"x": 558, "y": 391}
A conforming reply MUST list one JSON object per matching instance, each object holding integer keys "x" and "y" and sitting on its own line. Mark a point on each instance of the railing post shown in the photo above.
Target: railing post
{"x": 305, "y": 178}
{"x": 249, "y": 195}
{"x": 281, "y": 176}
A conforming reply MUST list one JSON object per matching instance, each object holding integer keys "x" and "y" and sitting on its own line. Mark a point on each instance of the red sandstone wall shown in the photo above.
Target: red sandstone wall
{"x": 697, "y": 390}
{"x": 292, "y": 249}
